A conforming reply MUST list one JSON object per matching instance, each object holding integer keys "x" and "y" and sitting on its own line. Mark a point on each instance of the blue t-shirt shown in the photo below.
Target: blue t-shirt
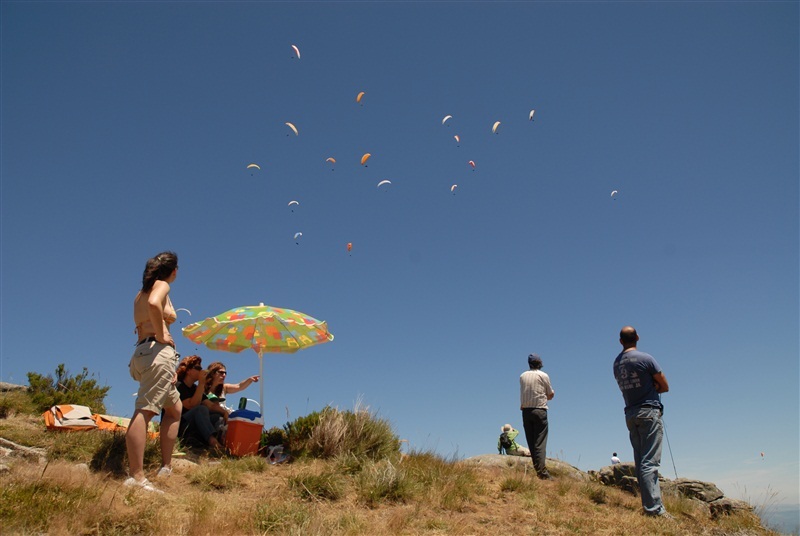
{"x": 634, "y": 371}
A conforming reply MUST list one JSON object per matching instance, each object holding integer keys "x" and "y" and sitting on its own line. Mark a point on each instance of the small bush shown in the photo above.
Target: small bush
{"x": 47, "y": 391}
{"x": 14, "y": 402}
{"x": 383, "y": 481}
{"x": 515, "y": 484}
{"x": 111, "y": 454}
{"x": 281, "y": 519}
{"x": 596, "y": 493}
{"x": 221, "y": 476}
{"x": 299, "y": 431}
{"x": 328, "y": 486}
{"x": 273, "y": 437}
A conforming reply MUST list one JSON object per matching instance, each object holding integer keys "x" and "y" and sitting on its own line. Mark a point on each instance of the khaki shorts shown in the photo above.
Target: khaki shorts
{"x": 153, "y": 365}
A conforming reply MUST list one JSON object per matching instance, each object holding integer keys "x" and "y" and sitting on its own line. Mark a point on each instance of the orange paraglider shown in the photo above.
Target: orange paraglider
{"x": 365, "y": 158}
{"x": 349, "y": 247}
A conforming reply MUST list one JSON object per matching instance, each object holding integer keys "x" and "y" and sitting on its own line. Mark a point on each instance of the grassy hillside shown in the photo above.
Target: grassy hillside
{"x": 348, "y": 494}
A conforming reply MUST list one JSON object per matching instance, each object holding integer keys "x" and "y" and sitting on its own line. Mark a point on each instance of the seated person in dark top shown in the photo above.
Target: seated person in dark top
{"x": 197, "y": 421}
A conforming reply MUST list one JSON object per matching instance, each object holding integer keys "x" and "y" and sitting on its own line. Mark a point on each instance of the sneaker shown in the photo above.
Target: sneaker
{"x": 164, "y": 472}
{"x": 666, "y": 515}
{"x": 144, "y": 484}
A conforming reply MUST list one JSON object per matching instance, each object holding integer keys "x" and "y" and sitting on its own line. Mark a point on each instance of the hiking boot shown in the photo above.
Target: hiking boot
{"x": 143, "y": 484}
{"x": 545, "y": 476}
{"x": 164, "y": 472}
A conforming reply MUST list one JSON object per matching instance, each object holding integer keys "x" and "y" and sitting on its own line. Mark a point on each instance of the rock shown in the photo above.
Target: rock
{"x": 725, "y": 506}
{"x": 12, "y": 387}
{"x": 557, "y": 467}
{"x": 82, "y": 467}
{"x": 697, "y": 489}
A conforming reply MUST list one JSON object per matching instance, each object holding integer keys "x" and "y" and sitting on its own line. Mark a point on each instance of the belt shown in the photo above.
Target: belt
{"x": 146, "y": 339}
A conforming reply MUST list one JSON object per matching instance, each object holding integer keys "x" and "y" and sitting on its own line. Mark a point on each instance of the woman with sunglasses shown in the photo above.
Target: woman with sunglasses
{"x": 197, "y": 421}
{"x": 217, "y": 390}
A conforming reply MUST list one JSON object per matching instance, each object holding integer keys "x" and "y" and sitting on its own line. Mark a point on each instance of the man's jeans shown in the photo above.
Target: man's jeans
{"x": 647, "y": 432}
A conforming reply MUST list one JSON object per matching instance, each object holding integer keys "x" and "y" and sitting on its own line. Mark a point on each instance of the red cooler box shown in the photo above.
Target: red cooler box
{"x": 243, "y": 436}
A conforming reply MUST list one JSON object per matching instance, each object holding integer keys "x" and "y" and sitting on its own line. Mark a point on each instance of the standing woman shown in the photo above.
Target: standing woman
{"x": 153, "y": 365}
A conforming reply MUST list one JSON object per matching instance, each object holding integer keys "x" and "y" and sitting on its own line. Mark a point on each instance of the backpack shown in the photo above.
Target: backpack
{"x": 505, "y": 441}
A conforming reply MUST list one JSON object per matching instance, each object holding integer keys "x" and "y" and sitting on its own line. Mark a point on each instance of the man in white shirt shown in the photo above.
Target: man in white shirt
{"x": 614, "y": 459}
{"x": 534, "y": 392}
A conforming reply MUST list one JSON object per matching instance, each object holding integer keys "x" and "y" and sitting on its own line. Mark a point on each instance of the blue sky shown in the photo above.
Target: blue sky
{"x": 127, "y": 128}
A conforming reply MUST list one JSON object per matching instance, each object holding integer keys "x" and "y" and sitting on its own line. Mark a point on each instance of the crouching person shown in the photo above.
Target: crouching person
{"x": 507, "y": 444}
{"x": 198, "y": 422}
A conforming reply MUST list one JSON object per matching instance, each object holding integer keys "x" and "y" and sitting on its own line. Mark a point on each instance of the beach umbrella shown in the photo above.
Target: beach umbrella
{"x": 260, "y": 328}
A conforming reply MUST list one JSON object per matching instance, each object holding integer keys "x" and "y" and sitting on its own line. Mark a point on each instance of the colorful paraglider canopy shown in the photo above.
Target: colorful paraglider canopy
{"x": 297, "y": 51}
{"x": 384, "y": 182}
{"x": 251, "y": 166}
{"x": 471, "y": 163}
{"x": 457, "y": 138}
{"x": 365, "y": 158}
{"x": 349, "y": 247}
{"x": 494, "y": 127}
{"x": 453, "y": 188}
{"x": 331, "y": 159}
{"x": 446, "y": 118}
{"x": 294, "y": 128}
{"x": 360, "y": 96}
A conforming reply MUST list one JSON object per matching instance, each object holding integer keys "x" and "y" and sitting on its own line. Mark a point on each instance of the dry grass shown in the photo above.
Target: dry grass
{"x": 345, "y": 495}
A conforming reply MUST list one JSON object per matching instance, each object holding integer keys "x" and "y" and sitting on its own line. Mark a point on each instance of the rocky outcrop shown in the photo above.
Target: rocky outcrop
{"x": 5, "y": 387}
{"x": 623, "y": 476}
{"x": 556, "y": 467}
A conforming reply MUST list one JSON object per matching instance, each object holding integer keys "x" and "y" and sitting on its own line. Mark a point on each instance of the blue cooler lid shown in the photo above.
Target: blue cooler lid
{"x": 248, "y": 414}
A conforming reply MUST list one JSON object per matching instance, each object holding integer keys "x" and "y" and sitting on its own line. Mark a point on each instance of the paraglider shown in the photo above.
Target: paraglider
{"x": 296, "y": 51}
{"x": 365, "y": 158}
{"x": 472, "y": 163}
{"x": 360, "y": 96}
{"x": 253, "y": 166}
{"x": 494, "y": 127}
{"x": 453, "y": 188}
{"x": 349, "y": 247}
{"x": 446, "y": 118}
{"x": 458, "y": 140}
{"x": 530, "y": 115}
{"x": 383, "y": 182}
{"x": 190, "y": 314}
{"x": 332, "y": 160}
{"x": 292, "y": 203}
{"x": 294, "y": 128}
{"x": 613, "y": 193}
{"x": 297, "y": 238}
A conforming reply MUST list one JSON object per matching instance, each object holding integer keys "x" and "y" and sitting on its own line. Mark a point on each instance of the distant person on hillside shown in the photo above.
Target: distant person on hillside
{"x": 614, "y": 459}
{"x": 507, "y": 444}
{"x": 153, "y": 365}
{"x": 535, "y": 391}
{"x": 641, "y": 381}
{"x": 197, "y": 421}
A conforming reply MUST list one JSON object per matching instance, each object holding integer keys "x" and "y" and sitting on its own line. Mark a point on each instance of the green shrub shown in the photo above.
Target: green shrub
{"x": 274, "y": 436}
{"x": 46, "y": 391}
{"x": 381, "y": 482}
{"x": 333, "y": 433}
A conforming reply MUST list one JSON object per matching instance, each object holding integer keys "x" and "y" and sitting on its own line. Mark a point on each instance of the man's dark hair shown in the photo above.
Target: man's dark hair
{"x": 628, "y": 335}
{"x": 534, "y": 361}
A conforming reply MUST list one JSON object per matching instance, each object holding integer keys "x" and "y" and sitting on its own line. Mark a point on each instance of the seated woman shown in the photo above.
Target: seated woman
{"x": 216, "y": 390}
{"x": 197, "y": 421}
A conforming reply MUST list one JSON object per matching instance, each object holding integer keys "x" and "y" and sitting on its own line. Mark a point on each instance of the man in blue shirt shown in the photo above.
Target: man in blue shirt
{"x": 641, "y": 381}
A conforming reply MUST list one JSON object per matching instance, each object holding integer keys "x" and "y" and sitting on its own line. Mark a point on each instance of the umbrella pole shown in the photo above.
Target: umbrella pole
{"x": 261, "y": 383}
